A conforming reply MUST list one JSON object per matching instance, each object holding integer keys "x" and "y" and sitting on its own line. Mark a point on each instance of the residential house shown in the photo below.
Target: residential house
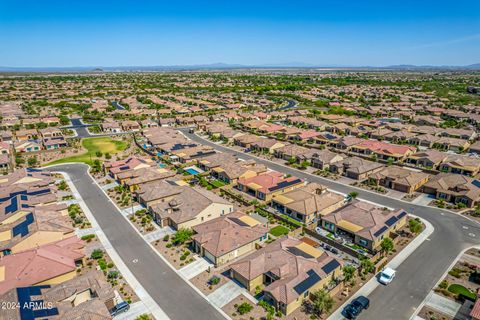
{"x": 228, "y": 237}
{"x": 267, "y": 145}
{"x": 265, "y": 186}
{"x": 245, "y": 140}
{"x": 181, "y": 206}
{"x": 399, "y": 178}
{"x": 355, "y": 168}
{"x": 364, "y": 223}
{"x": 461, "y": 164}
{"x": 430, "y": 159}
{"x": 111, "y": 126}
{"x": 322, "y": 159}
{"x": 27, "y": 134}
{"x": 130, "y": 126}
{"x": 191, "y": 155}
{"x": 45, "y": 265}
{"x": 54, "y": 143}
{"x": 288, "y": 270}
{"x": 230, "y": 172}
{"x": 88, "y": 296}
{"x": 308, "y": 203}
{"x": 27, "y": 146}
{"x": 51, "y": 133}
{"x": 454, "y": 188}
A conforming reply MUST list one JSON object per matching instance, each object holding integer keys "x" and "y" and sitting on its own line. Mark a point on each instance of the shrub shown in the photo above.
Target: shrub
{"x": 97, "y": 254}
{"x": 88, "y": 237}
{"x": 443, "y": 284}
{"x": 214, "y": 280}
{"x": 102, "y": 264}
{"x": 166, "y": 238}
{"x": 244, "y": 308}
{"x": 455, "y": 272}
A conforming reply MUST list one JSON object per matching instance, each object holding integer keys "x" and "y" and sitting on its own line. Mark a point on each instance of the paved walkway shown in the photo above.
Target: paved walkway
{"x": 195, "y": 268}
{"x": 395, "y": 263}
{"x": 81, "y": 232}
{"x": 158, "y": 234}
{"x": 110, "y": 186}
{"x": 69, "y": 202}
{"x": 149, "y": 305}
{"x": 226, "y": 293}
{"x": 444, "y": 305}
{"x": 128, "y": 210}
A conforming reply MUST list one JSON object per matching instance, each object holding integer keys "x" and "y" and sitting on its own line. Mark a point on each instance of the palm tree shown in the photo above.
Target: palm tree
{"x": 349, "y": 274}
{"x": 321, "y": 302}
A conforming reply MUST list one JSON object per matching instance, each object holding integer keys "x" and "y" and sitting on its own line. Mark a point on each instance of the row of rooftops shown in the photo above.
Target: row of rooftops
{"x": 38, "y": 244}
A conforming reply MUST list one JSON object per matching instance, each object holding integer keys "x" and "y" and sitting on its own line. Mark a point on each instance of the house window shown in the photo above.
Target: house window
{"x": 363, "y": 242}
{"x": 261, "y": 195}
{"x": 329, "y": 226}
{"x": 305, "y": 294}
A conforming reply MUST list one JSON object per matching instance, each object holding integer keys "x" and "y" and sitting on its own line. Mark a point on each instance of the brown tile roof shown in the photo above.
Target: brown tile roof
{"x": 225, "y": 234}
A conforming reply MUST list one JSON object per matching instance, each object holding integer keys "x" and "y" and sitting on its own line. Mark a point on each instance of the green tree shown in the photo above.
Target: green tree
{"x": 143, "y": 317}
{"x": 97, "y": 166}
{"x": 348, "y": 274}
{"x": 321, "y": 302}
{"x": 244, "y": 308}
{"x": 181, "y": 236}
{"x": 415, "y": 226}
{"x": 32, "y": 161}
{"x": 367, "y": 266}
{"x": 352, "y": 195}
{"x": 387, "y": 245}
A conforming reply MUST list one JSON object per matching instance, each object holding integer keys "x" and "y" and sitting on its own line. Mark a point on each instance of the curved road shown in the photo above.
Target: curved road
{"x": 419, "y": 273}
{"x": 174, "y": 296}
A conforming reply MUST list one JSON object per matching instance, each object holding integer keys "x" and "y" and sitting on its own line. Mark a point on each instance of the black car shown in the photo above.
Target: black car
{"x": 353, "y": 310}
{"x": 120, "y": 308}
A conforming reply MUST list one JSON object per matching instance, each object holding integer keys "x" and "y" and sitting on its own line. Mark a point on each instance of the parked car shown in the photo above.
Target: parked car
{"x": 318, "y": 229}
{"x": 387, "y": 276}
{"x": 120, "y": 308}
{"x": 191, "y": 130}
{"x": 354, "y": 308}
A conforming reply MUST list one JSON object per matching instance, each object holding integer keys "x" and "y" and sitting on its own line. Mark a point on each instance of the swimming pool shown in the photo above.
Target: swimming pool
{"x": 192, "y": 171}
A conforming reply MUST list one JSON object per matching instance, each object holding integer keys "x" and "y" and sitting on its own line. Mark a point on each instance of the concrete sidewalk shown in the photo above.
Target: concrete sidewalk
{"x": 226, "y": 293}
{"x": 396, "y": 261}
{"x": 149, "y": 305}
{"x": 195, "y": 268}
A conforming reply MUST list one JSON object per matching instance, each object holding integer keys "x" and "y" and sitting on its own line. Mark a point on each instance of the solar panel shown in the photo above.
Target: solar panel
{"x": 332, "y": 265}
{"x": 379, "y": 232}
{"x": 476, "y": 183}
{"x": 24, "y": 296}
{"x": 402, "y": 214}
{"x": 390, "y": 222}
{"x": 285, "y": 184}
{"x": 22, "y": 228}
{"x": 306, "y": 284}
{"x": 24, "y": 197}
{"x": 124, "y": 167}
{"x": 13, "y": 206}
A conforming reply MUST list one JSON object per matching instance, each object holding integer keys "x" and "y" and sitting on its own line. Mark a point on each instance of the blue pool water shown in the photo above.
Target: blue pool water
{"x": 162, "y": 165}
{"x": 192, "y": 171}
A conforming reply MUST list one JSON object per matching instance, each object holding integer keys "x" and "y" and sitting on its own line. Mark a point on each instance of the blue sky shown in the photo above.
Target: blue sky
{"x": 326, "y": 33}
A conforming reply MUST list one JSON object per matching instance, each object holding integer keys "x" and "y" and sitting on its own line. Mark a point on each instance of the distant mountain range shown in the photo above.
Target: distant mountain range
{"x": 226, "y": 66}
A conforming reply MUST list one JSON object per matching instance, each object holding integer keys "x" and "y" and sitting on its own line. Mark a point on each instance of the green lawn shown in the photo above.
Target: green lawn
{"x": 218, "y": 183}
{"x": 461, "y": 290}
{"x": 279, "y": 231}
{"x": 93, "y": 145}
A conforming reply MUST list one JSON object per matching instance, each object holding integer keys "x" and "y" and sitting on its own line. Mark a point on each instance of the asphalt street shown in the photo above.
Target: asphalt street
{"x": 419, "y": 273}
{"x": 82, "y": 131}
{"x": 176, "y": 298}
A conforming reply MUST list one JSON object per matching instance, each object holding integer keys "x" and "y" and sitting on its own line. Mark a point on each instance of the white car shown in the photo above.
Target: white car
{"x": 387, "y": 276}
